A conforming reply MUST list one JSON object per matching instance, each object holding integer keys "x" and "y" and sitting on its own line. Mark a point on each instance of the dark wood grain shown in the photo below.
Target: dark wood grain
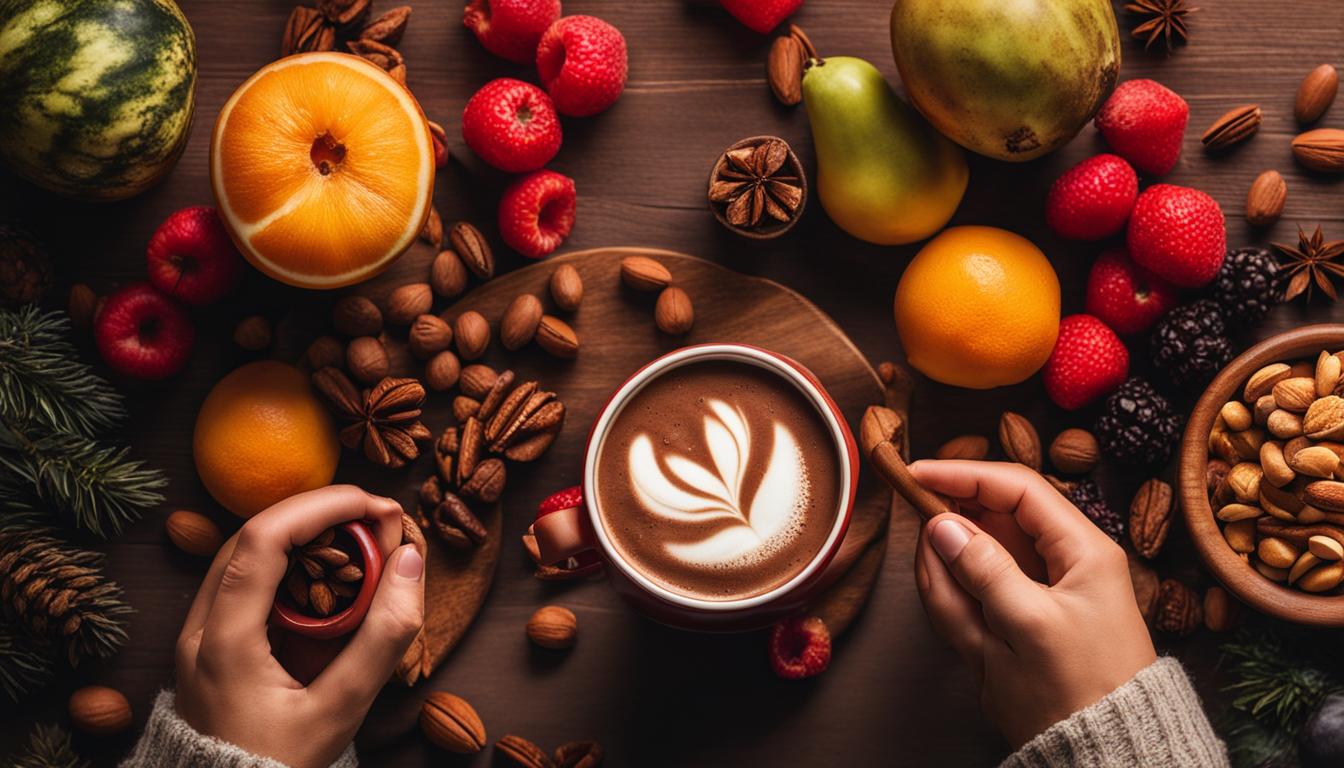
{"x": 895, "y": 695}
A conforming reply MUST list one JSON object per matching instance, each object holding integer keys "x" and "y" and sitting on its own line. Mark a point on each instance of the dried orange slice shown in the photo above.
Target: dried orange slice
{"x": 323, "y": 169}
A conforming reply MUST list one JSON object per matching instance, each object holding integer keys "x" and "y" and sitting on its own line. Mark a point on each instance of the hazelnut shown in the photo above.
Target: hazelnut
{"x": 566, "y": 287}
{"x": 673, "y": 314}
{"x": 253, "y": 333}
{"x": 472, "y": 333}
{"x": 1075, "y": 452}
{"x": 324, "y": 352}
{"x": 407, "y": 302}
{"x": 428, "y": 336}
{"x": 367, "y": 359}
{"x": 477, "y": 380}
{"x": 442, "y": 370}
{"x": 553, "y": 627}
{"x": 448, "y": 275}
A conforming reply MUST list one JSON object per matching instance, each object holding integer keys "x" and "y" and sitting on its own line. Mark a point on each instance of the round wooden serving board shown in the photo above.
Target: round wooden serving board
{"x": 617, "y": 336}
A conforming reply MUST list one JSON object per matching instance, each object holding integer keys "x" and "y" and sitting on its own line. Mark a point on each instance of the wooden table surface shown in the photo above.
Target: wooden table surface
{"x": 894, "y": 694}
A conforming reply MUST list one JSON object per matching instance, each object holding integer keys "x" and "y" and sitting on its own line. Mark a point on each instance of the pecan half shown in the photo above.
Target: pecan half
{"x": 486, "y": 482}
{"x": 455, "y": 523}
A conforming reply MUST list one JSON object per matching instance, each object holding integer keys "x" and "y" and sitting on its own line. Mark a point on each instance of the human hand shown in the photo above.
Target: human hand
{"x": 1039, "y": 651}
{"x": 230, "y": 686}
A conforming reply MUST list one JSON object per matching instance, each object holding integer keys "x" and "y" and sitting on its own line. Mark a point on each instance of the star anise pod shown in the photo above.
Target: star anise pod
{"x": 1164, "y": 19}
{"x": 1312, "y": 260}
{"x": 758, "y": 184}
{"x": 384, "y": 421}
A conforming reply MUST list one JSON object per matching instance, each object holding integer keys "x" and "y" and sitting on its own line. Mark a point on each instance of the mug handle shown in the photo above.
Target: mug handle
{"x": 563, "y": 534}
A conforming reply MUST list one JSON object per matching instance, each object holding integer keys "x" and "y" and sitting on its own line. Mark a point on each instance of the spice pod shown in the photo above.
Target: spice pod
{"x": 289, "y": 616}
{"x": 752, "y": 189}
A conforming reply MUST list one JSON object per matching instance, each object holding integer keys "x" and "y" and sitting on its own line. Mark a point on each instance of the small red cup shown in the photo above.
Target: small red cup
{"x": 570, "y": 532}
{"x": 306, "y": 644}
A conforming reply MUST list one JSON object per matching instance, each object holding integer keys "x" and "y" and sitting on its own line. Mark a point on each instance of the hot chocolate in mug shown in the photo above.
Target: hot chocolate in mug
{"x": 718, "y": 483}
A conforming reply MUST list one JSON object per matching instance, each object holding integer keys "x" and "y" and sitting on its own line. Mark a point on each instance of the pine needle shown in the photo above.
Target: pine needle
{"x": 43, "y": 382}
{"x": 25, "y": 662}
{"x": 49, "y": 747}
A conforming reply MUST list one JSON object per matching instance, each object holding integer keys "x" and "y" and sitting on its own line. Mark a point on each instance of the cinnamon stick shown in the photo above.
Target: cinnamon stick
{"x": 1297, "y": 534}
{"x": 892, "y": 468}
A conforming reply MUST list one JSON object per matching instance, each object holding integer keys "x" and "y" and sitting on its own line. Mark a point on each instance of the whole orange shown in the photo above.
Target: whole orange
{"x": 263, "y": 436}
{"x": 978, "y": 307}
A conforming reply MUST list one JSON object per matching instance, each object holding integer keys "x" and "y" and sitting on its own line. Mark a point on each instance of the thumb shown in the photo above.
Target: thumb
{"x": 394, "y": 618}
{"x": 987, "y": 572}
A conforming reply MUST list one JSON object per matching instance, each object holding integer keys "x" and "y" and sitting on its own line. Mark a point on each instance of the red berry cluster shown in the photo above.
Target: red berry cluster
{"x": 142, "y": 329}
{"x": 1175, "y": 238}
{"x": 515, "y": 126}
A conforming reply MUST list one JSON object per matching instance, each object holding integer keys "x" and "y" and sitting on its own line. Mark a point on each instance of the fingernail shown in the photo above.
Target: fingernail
{"x": 949, "y": 537}
{"x": 410, "y": 565}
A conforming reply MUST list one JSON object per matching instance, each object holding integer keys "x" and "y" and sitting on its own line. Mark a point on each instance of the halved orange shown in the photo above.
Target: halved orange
{"x": 323, "y": 169}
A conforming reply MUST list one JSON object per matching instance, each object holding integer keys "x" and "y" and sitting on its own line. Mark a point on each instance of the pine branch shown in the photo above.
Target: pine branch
{"x": 25, "y": 663}
{"x": 98, "y": 488}
{"x": 1275, "y": 686}
{"x": 59, "y": 592}
{"x": 43, "y": 381}
{"x": 49, "y": 747}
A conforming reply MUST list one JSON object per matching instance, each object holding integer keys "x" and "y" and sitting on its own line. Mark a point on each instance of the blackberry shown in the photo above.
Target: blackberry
{"x": 1247, "y": 286}
{"x": 1190, "y": 344}
{"x": 1086, "y": 495}
{"x": 1137, "y": 425}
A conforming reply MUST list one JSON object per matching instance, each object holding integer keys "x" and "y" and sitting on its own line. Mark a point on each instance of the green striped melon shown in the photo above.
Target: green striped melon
{"x": 96, "y": 96}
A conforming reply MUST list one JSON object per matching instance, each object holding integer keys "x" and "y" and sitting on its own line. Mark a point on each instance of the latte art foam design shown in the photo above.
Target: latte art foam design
{"x": 742, "y": 522}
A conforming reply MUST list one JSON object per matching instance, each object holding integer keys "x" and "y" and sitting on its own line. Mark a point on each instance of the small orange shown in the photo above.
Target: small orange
{"x": 262, "y": 436}
{"x": 978, "y": 307}
{"x": 323, "y": 169}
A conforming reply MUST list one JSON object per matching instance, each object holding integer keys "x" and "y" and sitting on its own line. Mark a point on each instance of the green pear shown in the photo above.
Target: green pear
{"x": 883, "y": 173}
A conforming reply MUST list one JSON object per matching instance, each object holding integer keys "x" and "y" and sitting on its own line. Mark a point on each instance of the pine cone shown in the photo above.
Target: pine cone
{"x": 25, "y": 269}
{"x": 59, "y": 592}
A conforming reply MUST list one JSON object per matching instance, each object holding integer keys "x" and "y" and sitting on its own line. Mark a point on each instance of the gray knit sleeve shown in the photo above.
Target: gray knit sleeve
{"x": 169, "y": 741}
{"x": 1155, "y": 720}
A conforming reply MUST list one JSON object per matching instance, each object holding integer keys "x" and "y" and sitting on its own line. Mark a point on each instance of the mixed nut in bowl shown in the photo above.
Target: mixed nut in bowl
{"x": 1261, "y": 479}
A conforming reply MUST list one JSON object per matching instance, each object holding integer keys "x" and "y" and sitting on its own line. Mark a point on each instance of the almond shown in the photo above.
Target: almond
{"x": 448, "y": 275}
{"x": 1327, "y": 374}
{"x": 429, "y": 335}
{"x": 366, "y": 359}
{"x": 644, "y": 274}
{"x": 1234, "y": 127}
{"x": 1266, "y": 198}
{"x": 1315, "y": 461}
{"x": 553, "y": 627}
{"x": 1244, "y": 481}
{"x": 1327, "y": 495}
{"x": 408, "y": 302}
{"x": 472, "y": 333}
{"x": 193, "y": 533}
{"x": 99, "y": 710}
{"x": 566, "y": 287}
{"x": 1324, "y": 419}
{"x": 784, "y": 70}
{"x": 1322, "y": 578}
{"x": 1276, "y": 552}
{"x": 1247, "y": 442}
{"x": 1074, "y": 452}
{"x": 442, "y": 371}
{"x": 1321, "y": 150}
{"x": 452, "y": 724}
{"x": 1240, "y": 535}
{"x": 1316, "y": 93}
{"x": 432, "y": 232}
{"x": 674, "y": 314}
{"x": 1304, "y": 563}
{"x": 968, "y": 447}
{"x": 1274, "y": 465}
{"x": 1325, "y": 548}
{"x": 1231, "y": 513}
{"x": 1262, "y": 382}
{"x": 1221, "y": 612}
{"x": 356, "y": 316}
{"x": 1295, "y": 394}
{"x": 477, "y": 380}
{"x": 556, "y": 337}
{"x": 1284, "y": 425}
{"x": 1262, "y": 408}
{"x": 1236, "y": 416}
{"x": 1019, "y": 440}
{"x": 1285, "y": 499}
{"x": 520, "y": 322}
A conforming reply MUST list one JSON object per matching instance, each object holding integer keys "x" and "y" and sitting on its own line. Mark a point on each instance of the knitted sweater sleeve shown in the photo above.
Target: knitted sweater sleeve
{"x": 1154, "y": 720}
{"x": 169, "y": 741}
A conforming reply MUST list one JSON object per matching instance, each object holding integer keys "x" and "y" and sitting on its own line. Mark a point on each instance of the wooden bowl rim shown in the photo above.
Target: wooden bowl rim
{"x": 1236, "y": 575}
{"x": 779, "y": 229}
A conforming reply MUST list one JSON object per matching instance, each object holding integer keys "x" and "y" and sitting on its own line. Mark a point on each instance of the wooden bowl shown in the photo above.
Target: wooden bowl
{"x": 774, "y": 230}
{"x": 1236, "y": 575}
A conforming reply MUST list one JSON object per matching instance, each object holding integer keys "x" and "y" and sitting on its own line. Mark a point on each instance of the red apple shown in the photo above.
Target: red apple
{"x": 191, "y": 257}
{"x": 143, "y": 334}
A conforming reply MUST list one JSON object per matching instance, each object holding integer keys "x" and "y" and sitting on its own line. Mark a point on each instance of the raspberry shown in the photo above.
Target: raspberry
{"x": 800, "y": 647}
{"x": 537, "y": 212}
{"x": 512, "y": 125}
{"x": 511, "y": 29}
{"x": 582, "y": 62}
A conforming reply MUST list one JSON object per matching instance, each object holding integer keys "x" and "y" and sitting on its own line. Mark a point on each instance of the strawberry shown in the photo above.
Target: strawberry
{"x": 144, "y": 334}
{"x": 1144, "y": 123}
{"x": 800, "y": 647}
{"x": 537, "y": 212}
{"x": 191, "y": 257}
{"x": 565, "y": 499}
{"x": 512, "y": 125}
{"x": 511, "y": 29}
{"x": 1178, "y": 233}
{"x": 761, "y": 15}
{"x": 582, "y": 564}
{"x": 1092, "y": 199}
{"x": 582, "y": 63}
{"x": 1125, "y": 296}
{"x": 1088, "y": 361}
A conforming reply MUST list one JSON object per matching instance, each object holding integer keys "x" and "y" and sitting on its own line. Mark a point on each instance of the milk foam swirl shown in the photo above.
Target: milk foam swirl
{"x": 741, "y": 526}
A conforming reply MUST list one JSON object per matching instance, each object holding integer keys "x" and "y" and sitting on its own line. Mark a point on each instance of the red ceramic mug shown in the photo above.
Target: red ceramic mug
{"x": 572, "y": 532}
